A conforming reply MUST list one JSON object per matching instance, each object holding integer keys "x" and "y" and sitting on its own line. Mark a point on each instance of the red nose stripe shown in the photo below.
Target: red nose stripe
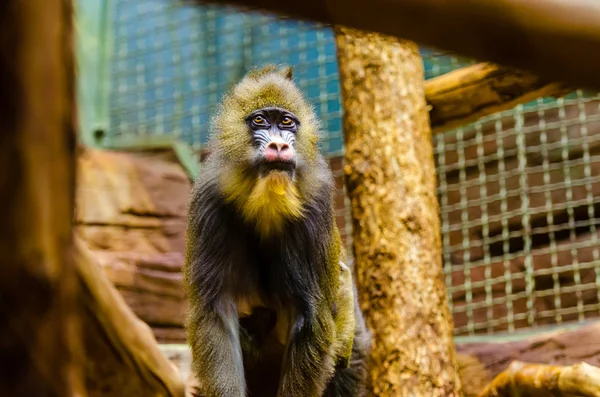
{"x": 272, "y": 154}
{"x": 286, "y": 155}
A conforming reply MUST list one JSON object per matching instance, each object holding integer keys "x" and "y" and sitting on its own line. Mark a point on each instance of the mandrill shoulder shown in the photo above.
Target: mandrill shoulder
{"x": 207, "y": 204}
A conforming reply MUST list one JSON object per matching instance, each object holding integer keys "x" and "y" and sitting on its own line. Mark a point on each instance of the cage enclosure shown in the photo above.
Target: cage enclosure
{"x": 518, "y": 190}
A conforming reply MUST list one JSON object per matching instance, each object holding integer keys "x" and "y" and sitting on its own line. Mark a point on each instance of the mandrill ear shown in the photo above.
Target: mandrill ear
{"x": 287, "y": 72}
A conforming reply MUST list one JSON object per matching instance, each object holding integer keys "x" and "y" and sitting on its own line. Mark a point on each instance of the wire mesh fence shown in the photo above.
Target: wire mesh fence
{"x": 172, "y": 62}
{"x": 519, "y": 198}
{"x": 518, "y": 190}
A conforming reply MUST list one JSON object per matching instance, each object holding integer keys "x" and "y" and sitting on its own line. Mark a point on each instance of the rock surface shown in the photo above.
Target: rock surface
{"x": 131, "y": 210}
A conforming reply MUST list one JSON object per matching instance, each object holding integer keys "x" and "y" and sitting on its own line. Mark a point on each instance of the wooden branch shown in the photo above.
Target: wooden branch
{"x": 470, "y": 93}
{"x": 554, "y": 38}
{"x": 39, "y": 330}
{"x": 481, "y": 362}
{"x": 123, "y": 356}
{"x": 537, "y": 380}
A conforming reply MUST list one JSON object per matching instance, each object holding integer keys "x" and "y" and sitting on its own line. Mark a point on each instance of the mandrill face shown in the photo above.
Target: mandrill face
{"x": 273, "y": 134}
{"x": 266, "y": 140}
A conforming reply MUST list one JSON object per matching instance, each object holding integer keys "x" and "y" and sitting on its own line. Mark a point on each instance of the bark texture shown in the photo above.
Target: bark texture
{"x": 390, "y": 178}
{"x": 38, "y": 321}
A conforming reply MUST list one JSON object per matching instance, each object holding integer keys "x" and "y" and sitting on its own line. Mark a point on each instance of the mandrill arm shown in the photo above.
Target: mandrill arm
{"x": 320, "y": 339}
{"x": 217, "y": 355}
{"x": 308, "y": 362}
{"x": 344, "y": 317}
{"x": 212, "y": 324}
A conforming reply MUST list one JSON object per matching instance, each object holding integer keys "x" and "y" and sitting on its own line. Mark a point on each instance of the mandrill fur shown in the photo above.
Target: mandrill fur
{"x": 273, "y": 310}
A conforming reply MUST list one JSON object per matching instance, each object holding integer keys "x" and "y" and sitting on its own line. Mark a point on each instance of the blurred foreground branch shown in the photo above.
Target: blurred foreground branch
{"x": 64, "y": 329}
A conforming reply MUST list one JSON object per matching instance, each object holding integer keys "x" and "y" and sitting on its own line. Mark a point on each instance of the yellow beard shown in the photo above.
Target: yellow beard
{"x": 267, "y": 202}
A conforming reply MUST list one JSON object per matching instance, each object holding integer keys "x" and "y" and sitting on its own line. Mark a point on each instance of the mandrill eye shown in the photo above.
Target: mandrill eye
{"x": 259, "y": 120}
{"x": 287, "y": 122}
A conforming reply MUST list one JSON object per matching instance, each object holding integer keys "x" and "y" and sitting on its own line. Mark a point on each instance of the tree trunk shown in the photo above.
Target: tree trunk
{"x": 390, "y": 177}
{"x": 38, "y": 328}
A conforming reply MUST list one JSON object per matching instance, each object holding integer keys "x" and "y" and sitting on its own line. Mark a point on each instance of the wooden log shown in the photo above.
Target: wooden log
{"x": 390, "y": 178}
{"x": 123, "y": 358}
{"x": 538, "y": 380}
{"x": 39, "y": 328}
{"x": 470, "y": 93}
{"x": 554, "y": 38}
{"x": 481, "y": 362}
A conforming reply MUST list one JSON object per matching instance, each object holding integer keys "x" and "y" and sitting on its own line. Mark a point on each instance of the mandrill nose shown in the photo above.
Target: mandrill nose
{"x": 278, "y": 146}
{"x": 278, "y": 151}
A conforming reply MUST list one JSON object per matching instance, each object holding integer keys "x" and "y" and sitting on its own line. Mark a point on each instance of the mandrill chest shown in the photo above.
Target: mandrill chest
{"x": 264, "y": 333}
{"x": 266, "y": 300}
{"x": 261, "y": 323}
{"x": 273, "y": 199}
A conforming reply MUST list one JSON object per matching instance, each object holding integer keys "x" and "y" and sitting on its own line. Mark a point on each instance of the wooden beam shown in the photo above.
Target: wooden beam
{"x": 470, "y": 93}
{"x": 557, "y": 39}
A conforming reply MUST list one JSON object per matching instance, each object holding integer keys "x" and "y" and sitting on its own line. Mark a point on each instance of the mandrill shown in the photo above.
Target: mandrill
{"x": 273, "y": 311}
